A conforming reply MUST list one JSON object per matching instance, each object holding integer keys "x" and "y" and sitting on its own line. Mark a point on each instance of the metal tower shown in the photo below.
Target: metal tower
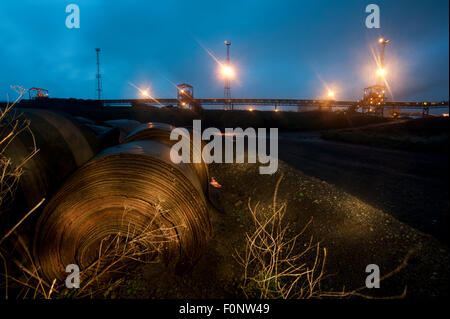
{"x": 374, "y": 98}
{"x": 227, "y": 90}
{"x": 99, "y": 86}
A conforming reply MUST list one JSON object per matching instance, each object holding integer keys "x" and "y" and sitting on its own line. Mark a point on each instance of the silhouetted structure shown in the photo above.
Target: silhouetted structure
{"x": 99, "y": 85}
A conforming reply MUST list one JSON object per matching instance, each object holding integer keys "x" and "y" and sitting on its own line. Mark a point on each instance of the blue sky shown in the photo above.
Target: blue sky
{"x": 281, "y": 49}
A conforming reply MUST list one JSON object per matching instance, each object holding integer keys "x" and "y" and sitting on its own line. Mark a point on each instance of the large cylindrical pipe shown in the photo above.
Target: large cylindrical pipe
{"x": 134, "y": 192}
{"x": 62, "y": 144}
{"x": 161, "y": 132}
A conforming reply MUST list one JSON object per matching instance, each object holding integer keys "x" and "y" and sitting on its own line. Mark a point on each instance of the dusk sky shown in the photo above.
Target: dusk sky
{"x": 280, "y": 49}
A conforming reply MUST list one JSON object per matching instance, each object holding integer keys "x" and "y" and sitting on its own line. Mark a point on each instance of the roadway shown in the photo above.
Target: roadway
{"x": 412, "y": 187}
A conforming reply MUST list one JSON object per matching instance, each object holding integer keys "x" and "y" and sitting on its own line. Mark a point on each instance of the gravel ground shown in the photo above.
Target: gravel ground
{"x": 354, "y": 233}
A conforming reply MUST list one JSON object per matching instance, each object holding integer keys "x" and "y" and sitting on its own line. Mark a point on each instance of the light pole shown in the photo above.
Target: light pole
{"x": 227, "y": 89}
{"x": 382, "y": 71}
{"x": 383, "y": 43}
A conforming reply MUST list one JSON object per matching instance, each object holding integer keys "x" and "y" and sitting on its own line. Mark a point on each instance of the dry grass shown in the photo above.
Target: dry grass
{"x": 274, "y": 265}
{"x": 11, "y": 125}
{"x": 277, "y": 265}
{"x": 116, "y": 254}
{"x": 120, "y": 251}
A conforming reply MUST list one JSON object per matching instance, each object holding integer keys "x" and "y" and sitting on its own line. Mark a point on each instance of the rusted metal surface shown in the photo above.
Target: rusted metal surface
{"x": 126, "y": 126}
{"x": 127, "y": 190}
{"x": 161, "y": 132}
{"x": 63, "y": 145}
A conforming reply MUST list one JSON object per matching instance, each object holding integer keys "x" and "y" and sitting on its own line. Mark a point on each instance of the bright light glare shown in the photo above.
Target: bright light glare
{"x": 250, "y": 109}
{"x": 227, "y": 71}
{"x": 381, "y": 72}
{"x": 144, "y": 92}
{"x": 381, "y": 40}
{"x": 330, "y": 94}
